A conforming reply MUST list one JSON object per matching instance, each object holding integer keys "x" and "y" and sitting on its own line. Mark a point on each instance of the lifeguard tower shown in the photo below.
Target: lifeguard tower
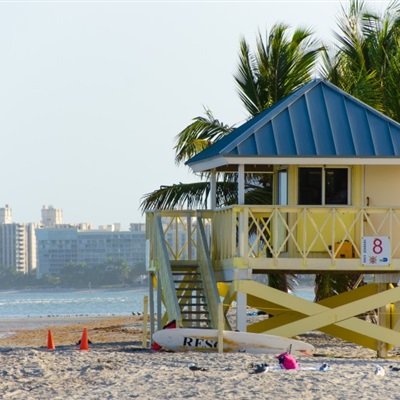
{"x": 334, "y": 164}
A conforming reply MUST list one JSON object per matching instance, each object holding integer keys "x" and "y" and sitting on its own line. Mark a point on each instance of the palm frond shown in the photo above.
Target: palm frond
{"x": 367, "y": 42}
{"x": 195, "y": 195}
{"x": 177, "y": 196}
{"x": 248, "y": 81}
{"x": 280, "y": 65}
{"x": 197, "y": 136}
{"x": 188, "y": 195}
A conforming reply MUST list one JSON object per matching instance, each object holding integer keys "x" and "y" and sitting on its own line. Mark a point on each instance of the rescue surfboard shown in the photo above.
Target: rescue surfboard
{"x": 206, "y": 340}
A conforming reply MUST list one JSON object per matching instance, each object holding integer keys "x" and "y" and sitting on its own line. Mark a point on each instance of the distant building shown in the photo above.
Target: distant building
{"x": 49, "y": 246}
{"x": 137, "y": 227}
{"x": 31, "y": 246}
{"x": 5, "y": 215}
{"x": 58, "y": 247}
{"x": 17, "y": 243}
{"x": 51, "y": 216}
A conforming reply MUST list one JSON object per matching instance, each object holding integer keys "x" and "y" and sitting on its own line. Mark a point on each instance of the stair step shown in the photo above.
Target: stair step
{"x": 193, "y": 303}
{"x": 185, "y": 273}
{"x": 189, "y": 287}
{"x": 193, "y": 299}
{"x": 197, "y": 320}
{"x": 184, "y": 269}
{"x": 194, "y": 312}
{"x": 194, "y": 306}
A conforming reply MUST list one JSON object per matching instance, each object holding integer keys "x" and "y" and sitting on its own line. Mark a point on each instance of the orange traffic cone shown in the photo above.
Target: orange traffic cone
{"x": 84, "y": 340}
{"x": 50, "y": 341}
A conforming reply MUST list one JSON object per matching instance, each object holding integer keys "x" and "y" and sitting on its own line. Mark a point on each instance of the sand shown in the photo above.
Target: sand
{"x": 117, "y": 367}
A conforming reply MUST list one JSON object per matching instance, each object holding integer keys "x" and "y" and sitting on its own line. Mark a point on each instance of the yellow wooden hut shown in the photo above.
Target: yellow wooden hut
{"x": 334, "y": 166}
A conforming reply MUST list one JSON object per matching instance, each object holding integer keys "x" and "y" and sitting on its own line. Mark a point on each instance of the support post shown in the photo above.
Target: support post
{"x": 384, "y": 313}
{"x": 241, "y": 298}
{"x": 220, "y": 328}
{"x": 241, "y": 184}
{"x": 189, "y": 235}
{"x": 159, "y": 296}
{"x": 145, "y": 319}
{"x": 383, "y": 320}
{"x": 213, "y": 189}
{"x": 151, "y": 293}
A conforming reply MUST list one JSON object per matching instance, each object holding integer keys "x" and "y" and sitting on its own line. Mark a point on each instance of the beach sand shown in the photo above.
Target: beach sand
{"x": 116, "y": 367}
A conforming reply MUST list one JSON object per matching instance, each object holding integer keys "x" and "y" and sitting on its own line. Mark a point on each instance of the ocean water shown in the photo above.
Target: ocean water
{"x": 306, "y": 293}
{"x": 42, "y": 304}
{"x": 93, "y": 303}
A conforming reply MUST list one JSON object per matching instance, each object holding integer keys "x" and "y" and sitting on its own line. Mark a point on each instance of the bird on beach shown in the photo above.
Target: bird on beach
{"x": 379, "y": 371}
{"x": 395, "y": 369}
{"x": 193, "y": 367}
{"x": 254, "y": 365}
{"x": 324, "y": 367}
{"x": 79, "y": 342}
{"x": 259, "y": 368}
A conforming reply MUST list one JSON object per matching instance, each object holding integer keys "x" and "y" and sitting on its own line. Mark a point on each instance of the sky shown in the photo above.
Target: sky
{"x": 93, "y": 94}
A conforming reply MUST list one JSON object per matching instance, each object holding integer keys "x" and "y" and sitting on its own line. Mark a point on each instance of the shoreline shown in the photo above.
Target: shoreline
{"x": 20, "y": 333}
{"x": 42, "y": 305}
{"x": 73, "y": 290}
{"x": 11, "y": 326}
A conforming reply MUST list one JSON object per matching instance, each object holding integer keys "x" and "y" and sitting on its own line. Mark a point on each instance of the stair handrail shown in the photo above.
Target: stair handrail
{"x": 163, "y": 267}
{"x": 207, "y": 273}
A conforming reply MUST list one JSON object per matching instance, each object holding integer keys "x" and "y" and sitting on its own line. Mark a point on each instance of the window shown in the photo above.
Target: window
{"x": 320, "y": 186}
{"x": 282, "y": 187}
{"x": 336, "y": 186}
{"x": 310, "y": 186}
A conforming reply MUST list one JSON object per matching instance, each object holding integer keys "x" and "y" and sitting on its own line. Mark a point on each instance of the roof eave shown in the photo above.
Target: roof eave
{"x": 226, "y": 163}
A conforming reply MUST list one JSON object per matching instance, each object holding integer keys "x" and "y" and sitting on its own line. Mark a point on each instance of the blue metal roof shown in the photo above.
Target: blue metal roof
{"x": 316, "y": 121}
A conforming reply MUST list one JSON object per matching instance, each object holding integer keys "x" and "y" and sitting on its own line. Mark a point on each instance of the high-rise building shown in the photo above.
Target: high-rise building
{"x": 49, "y": 246}
{"x": 31, "y": 246}
{"x": 58, "y": 247}
{"x": 137, "y": 227}
{"x": 18, "y": 246}
{"x": 5, "y": 215}
{"x": 51, "y": 216}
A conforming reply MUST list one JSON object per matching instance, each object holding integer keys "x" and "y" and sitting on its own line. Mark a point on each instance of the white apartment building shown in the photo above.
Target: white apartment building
{"x": 5, "y": 215}
{"x": 58, "y": 247}
{"x": 17, "y": 243}
{"x": 50, "y": 245}
{"x": 51, "y": 216}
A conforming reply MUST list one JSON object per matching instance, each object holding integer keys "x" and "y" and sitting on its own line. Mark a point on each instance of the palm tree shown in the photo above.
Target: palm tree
{"x": 280, "y": 65}
{"x": 365, "y": 63}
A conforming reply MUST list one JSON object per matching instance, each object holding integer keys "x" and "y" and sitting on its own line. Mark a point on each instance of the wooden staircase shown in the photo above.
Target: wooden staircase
{"x": 191, "y": 295}
{"x": 188, "y": 288}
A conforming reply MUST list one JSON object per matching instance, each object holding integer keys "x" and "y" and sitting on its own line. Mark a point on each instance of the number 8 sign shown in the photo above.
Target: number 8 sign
{"x": 375, "y": 250}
